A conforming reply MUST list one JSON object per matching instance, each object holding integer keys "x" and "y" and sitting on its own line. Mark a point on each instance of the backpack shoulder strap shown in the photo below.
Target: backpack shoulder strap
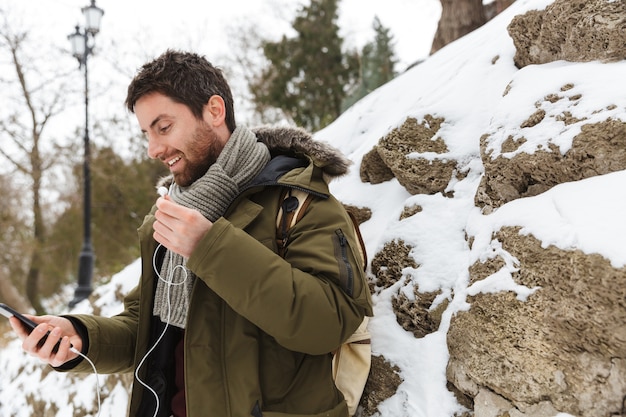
{"x": 293, "y": 205}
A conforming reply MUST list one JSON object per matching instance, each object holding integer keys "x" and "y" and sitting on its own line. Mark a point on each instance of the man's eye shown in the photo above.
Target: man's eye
{"x": 164, "y": 129}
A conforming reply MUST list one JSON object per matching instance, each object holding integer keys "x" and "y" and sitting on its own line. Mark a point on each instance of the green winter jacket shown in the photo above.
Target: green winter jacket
{"x": 261, "y": 328}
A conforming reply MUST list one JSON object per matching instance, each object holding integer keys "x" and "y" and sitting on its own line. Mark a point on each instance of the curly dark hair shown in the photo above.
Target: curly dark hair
{"x": 186, "y": 78}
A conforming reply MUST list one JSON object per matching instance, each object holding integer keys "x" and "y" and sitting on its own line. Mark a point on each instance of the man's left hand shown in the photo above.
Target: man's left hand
{"x": 179, "y": 228}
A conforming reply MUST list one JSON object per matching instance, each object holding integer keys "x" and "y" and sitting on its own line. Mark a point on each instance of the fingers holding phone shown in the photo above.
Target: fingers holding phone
{"x": 49, "y": 342}
{"x": 48, "y": 338}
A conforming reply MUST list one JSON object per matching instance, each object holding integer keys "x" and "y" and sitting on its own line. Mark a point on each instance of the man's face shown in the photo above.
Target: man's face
{"x": 186, "y": 145}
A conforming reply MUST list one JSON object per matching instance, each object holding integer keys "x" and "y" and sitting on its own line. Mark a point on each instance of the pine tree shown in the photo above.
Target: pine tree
{"x": 378, "y": 62}
{"x": 307, "y": 76}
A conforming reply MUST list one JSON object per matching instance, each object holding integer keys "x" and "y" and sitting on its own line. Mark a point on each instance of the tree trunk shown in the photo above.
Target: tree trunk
{"x": 11, "y": 296}
{"x": 502, "y": 4}
{"x": 496, "y": 7}
{"x": 32, "y": 281}
{"x": 32, "y": 278}
{"x": 458, "y": 18}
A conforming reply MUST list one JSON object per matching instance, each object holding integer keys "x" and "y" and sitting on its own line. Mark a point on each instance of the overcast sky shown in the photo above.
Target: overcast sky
{"x": 202, "y": 24}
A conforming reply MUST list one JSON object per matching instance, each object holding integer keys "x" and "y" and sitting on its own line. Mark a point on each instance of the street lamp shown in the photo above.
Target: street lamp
{"x": 82, "y": 46}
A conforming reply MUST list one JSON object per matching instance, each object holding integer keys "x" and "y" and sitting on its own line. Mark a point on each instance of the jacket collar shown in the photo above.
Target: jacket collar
{"x": 299, "y": 143}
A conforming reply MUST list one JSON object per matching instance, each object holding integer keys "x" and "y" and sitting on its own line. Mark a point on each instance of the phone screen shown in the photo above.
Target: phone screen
{"x": 28, "y": 324}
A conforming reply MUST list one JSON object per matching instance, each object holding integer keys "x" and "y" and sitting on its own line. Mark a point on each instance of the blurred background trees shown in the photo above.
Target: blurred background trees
{"x": 377, "y": 64}
{"x": 14, "y": 241}
{"x": 35, "y": 94}
{"x": 312, "y": 77}
{"x": 123, "y": 191}
{"x": 309, "y": 75}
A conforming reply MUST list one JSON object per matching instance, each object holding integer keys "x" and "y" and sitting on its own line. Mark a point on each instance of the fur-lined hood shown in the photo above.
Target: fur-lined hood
{"x": 291, "y": 140}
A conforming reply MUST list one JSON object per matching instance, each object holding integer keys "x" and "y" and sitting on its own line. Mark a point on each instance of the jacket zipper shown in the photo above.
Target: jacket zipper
{"x": 343, "y": 244}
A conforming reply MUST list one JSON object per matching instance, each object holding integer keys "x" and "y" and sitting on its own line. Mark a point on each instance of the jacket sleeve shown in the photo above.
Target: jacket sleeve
{"x": 111, "y": 340}
{"x": 312, "y": 300}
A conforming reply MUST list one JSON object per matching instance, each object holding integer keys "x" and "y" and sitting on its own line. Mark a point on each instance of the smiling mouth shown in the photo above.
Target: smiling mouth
{"x": 173, "y": 161}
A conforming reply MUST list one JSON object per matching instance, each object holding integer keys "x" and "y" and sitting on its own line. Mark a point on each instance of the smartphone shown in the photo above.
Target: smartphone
{"x": 28, "y": 324}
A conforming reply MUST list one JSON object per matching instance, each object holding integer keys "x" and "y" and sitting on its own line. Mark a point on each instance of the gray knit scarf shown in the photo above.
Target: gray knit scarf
{"x": 242, "y": 158}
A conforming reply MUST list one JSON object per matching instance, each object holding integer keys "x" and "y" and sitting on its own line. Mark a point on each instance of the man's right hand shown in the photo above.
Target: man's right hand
{"x": 60, "y": 328}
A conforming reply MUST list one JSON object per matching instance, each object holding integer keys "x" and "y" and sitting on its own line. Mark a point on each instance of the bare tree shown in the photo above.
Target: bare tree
{"x": 36, "y": 96}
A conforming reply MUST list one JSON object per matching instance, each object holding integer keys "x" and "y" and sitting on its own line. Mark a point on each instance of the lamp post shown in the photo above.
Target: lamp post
{"x": 82, "y": 46}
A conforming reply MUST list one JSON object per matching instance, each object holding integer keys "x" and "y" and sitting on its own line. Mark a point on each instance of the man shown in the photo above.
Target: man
{"x": 220, "y": 324}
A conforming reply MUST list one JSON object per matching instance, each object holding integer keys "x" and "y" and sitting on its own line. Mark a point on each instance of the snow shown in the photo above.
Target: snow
{"x": 465, "y": 83}
{"x": 540, "y": 81}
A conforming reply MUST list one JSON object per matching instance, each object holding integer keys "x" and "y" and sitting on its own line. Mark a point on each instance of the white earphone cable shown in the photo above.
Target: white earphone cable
{"x": 95, "y": 372}
{"x": 170, "y": 283}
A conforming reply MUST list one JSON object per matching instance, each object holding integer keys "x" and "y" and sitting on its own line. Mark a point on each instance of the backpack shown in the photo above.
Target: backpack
{"x": 352, "y": 360}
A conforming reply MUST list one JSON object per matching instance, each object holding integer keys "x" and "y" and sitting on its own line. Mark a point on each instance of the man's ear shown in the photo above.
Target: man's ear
{"x": 214, "y": 112}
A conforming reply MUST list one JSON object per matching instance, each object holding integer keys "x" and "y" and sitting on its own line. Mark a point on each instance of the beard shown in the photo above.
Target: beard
{"x": 202, "y": 152}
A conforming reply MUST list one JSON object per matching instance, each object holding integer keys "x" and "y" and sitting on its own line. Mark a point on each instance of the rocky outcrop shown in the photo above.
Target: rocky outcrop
{"x": 360, "y": 214}
{"x": 382, "y": 383}
{"x": 414, "y": 154}
{"x": 388, "y": 263}
{"x": 373, "y": 168}
{"x": 577, "y": 30}
{"x": 550, "y": 142}
{"x": 600, "y": 148}
{"x": 418, "y": 314}
{"x": 571, "y": 30}
{"x": 563, "y": 347}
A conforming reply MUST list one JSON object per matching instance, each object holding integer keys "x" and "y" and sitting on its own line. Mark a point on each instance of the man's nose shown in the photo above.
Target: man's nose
{"x": 155, "y": 148}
